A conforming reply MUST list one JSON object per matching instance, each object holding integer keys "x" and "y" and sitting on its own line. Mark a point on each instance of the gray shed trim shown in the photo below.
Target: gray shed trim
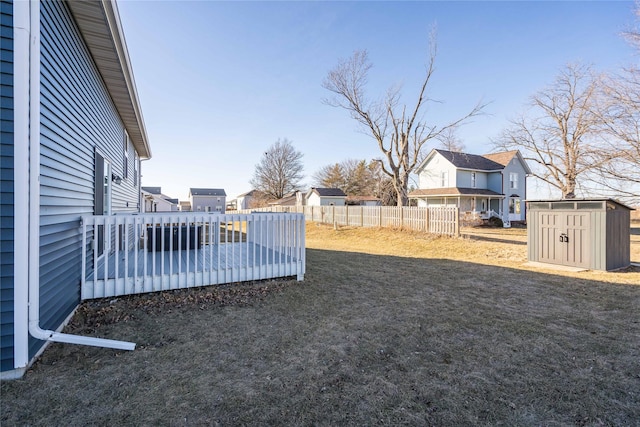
{"x": 597, "y": 228}
{"x": 6, "y": 188}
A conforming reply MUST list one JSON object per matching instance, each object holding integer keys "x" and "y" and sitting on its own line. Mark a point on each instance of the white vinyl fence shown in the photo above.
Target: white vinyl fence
{"x": 130, "y": 254}
{"x": 436, "y": 220}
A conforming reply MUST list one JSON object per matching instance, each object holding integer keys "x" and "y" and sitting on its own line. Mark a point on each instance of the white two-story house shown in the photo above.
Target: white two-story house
{"x": 488, "y": 185}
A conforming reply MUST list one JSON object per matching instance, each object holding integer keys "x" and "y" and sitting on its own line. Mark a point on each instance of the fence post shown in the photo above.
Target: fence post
{"x": 426, "y": 219}
{"x": 401, "y": 217}
{"x": 457, "y": 222}
{"x": 380, "y": 217}
{"x": 361, "y": 216}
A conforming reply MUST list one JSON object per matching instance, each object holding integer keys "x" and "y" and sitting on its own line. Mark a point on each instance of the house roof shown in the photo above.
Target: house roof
{"x": 288, "y": 199}
{"x": 152, "y": 190}
{"x": 470, "y": 161}
{"x": 363, "y": 199}
{"x": 207, "y": 192}
{"x": 101, "y": 29}
{"x": 503, "y": 158}
{"x": 328, "y": 192}
{"x": 452, "y": 191}
{"x": 251, "y": 193}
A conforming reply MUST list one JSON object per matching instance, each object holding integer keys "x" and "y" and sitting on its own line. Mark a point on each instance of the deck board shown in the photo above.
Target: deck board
{"x": 215, "y": 257}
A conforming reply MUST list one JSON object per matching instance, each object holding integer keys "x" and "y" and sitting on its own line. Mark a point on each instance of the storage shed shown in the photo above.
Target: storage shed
{"x": 589, "y": 233}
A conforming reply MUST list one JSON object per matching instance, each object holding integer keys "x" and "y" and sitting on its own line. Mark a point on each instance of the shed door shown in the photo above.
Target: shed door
{"x": 550, "y": 248}
{"x": 577, "y": 232}
{"x": 564, "y": 238}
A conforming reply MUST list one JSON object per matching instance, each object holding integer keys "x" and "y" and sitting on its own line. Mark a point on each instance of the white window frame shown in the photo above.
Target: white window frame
{"x": 473, "y": 180}
{"x": 444, "y": 179}
{"x": 513, "y": 180}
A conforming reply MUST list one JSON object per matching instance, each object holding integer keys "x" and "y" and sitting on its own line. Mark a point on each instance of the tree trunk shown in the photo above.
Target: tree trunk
{"x": 401, "y": 191}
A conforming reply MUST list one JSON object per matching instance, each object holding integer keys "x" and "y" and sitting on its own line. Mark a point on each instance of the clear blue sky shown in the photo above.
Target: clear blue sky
{"x": 219, "y": 82}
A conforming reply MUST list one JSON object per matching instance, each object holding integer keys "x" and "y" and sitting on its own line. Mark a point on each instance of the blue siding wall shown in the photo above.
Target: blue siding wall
{"x": 77, "y": 117}
{"x": 6, "y": 186}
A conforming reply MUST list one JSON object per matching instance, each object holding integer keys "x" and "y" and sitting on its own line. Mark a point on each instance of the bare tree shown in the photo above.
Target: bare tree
{"x": 399, "y": 131}
{"x": 450, "y": 141}
{"x": 562, "y": 131}
{"x": 279, "y": 171}
{"x": 621, "y": 118}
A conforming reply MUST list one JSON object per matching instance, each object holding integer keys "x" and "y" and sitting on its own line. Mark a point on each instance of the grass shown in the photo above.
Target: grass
{"x": 388, "y": 328}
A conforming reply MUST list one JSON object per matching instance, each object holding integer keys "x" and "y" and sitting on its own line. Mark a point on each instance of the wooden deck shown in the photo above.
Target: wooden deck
{"x": 208, "y": 257}
{"x": 151, "y": 271}
{"x": 262, "y": 246}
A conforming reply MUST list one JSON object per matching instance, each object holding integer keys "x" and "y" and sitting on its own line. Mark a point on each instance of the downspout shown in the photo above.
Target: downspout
{"x": 34, "y": 202}
{"x": 21, "y": 40}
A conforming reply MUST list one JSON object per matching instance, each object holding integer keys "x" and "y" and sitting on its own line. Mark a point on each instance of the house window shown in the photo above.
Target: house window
{"x": 135, "y": 169}
{"x": 444, "y": 178}
{"x": 207, "y": 208}
{"x": 125, "y": 156}
{"x": 473, "y": 180}
{"x": 513, "y": 181}
{"x": 514, "y": 206}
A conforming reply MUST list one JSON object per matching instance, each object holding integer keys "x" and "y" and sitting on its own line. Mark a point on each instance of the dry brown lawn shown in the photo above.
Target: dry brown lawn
{"x": 388, "y": 328}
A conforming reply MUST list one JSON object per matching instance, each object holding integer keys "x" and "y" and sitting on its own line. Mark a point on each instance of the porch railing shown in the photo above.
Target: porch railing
{"x": 129, "y": 254}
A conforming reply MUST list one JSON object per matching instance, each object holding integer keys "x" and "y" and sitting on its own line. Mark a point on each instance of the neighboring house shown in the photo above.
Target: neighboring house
{"x": 232, "y": 205}
{"x": 490, "y": 185}
{"x": 363, "y": 201}
{"x": 325, "y": 197}
{"x": 154, "y": 201}
{"x": 72, "y": 139}
{"x": 185, "y": 206}
{"x": 208, "y": 199}
{"x": 249, "y": 199}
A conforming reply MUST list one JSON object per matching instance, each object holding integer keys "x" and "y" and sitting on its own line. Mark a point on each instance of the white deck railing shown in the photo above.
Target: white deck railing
{"x": 130, "y": 254}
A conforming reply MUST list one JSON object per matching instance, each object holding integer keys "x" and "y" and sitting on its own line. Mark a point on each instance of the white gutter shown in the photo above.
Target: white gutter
{"x": 33, "y": 151}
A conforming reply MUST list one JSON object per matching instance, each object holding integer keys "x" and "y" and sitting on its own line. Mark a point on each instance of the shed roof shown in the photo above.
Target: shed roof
{"x": 207, "y": 192}
{"x": 101, "y": 29}
{"x": 328, "y": 192}
{"x": 588, "y": 199}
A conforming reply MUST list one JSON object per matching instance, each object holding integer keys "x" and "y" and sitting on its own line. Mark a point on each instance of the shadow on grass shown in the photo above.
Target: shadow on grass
{"x": 485, "y": 238}
{"x": 364, "y": 340}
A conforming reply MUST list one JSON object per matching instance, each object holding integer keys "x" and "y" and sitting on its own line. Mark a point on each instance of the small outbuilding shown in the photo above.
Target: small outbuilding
{"x": 325, "y": 197}
{"x": 593, "y": 234}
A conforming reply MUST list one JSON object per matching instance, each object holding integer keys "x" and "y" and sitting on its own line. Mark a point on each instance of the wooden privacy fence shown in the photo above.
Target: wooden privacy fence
{"x": 436, "y": 220}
